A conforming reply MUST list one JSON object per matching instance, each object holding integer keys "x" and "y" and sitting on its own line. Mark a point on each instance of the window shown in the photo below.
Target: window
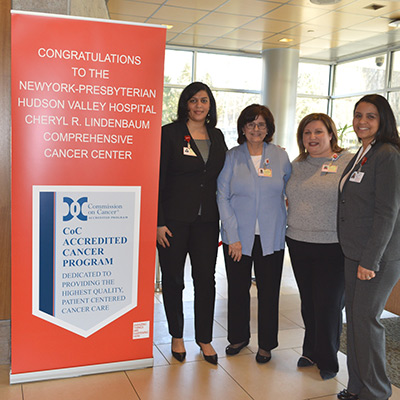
{"x": 229, "y": 106}
{"x": 361, "y": 76}
{"x": 170, "y": 104}
{"x": 229, "y": 72}
{"x": 312, "y": 90}
{"x": 178, "y": 67}
{"x": 394, "y": 100}
{"x": 395, "y": 76}
{"x": 313, "y": 79}
{"x": 305, "y": 106}
{"x": 234, "y": 80}
{"x": 342, "y": 114}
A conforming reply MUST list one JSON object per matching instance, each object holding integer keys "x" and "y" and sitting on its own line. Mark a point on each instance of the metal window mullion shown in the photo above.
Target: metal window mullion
{"x": 194, "y": 66}
{"x": 389, "y": 72}
{"x": 332, "y": 72}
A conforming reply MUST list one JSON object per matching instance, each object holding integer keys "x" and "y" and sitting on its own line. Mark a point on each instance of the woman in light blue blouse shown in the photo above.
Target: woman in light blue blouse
{"x": 251, "y": 203}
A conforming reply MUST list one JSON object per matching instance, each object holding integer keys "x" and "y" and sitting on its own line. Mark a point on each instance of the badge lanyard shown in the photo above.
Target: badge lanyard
{"x": 187, "y": 150}
{"x": 358, "y": 175}
{"x": 265, "y": 169}
{"x": 329, "y": 167}
{"x": 355, "y": 176}
{"x": 363, "y": 161}
{"x": 187, "y": 138}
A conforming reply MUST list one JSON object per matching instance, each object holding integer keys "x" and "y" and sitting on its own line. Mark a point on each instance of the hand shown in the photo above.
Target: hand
{"x": 365, "y": 274}
{"x": 235, "y": 251}
{"x": 162, "y": 232}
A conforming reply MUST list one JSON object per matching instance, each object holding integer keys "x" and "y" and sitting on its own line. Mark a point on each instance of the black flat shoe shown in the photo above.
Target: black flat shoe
{"x": 231, "y": 351}
{"x": 346, "y": 395}
{"x": 262, "y": 359}
{"x": 211, "y": 359}
{"x": 325, "y": 374}
{"x": 305, "y": 362}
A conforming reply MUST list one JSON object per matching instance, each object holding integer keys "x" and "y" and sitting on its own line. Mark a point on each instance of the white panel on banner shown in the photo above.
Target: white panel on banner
{"x": 85, "y": 259}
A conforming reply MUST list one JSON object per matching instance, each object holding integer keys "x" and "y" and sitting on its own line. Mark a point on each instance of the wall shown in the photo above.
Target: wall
{"x": 82, "y": 8}
{"x": 90, "y": 8}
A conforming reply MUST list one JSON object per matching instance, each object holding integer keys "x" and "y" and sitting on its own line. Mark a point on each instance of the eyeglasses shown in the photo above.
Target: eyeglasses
{"x": 261, "y": 126}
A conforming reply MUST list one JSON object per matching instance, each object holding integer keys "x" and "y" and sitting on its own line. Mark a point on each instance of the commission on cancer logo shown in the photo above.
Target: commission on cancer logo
{"x": 75, "y": 208}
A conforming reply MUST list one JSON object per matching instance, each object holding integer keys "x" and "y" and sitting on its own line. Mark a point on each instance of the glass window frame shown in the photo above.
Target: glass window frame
{"x": 215, "y": 89}
{"x": 330, "y": 97}
{"x": 386, "y": 91}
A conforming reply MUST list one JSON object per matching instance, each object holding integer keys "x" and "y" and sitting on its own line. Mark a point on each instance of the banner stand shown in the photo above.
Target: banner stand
{"x": 79, "y": 371}
{"x": 86, "y": 102}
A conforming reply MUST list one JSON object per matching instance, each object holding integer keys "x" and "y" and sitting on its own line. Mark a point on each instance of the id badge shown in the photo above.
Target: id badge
{"x": 356, "y": 177}
{"x": 267, "y": 172}
{"x": 330, "y": 169}
{"x": 188, "y": 151}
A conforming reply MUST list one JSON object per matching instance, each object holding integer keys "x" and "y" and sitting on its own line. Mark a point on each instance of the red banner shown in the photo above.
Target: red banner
{"x": 86, "y": 125}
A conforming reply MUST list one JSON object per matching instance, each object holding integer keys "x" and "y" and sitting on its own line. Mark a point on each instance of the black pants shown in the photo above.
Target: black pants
{"x": 319, "y": 272}
{"x": 200, "y": 240}
{"x": 268, "y": 272}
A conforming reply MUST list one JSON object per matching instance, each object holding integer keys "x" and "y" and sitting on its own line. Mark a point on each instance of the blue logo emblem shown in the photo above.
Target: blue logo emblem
{"x": 75, "y": 208}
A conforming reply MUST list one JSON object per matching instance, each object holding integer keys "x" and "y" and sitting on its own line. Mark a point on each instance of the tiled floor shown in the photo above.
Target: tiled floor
{"x": 235, "y": 378}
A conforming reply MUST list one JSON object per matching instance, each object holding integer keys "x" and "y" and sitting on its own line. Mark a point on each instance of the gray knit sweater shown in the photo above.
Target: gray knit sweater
{"x": 312, "y": 198}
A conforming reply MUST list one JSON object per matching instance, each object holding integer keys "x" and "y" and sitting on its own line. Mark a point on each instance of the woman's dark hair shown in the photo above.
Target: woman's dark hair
{"x": 330, "y": 126}
{"x": 187, "y": 94}
{"x": 249, "y": 114}
{"x": 387, "y": 131}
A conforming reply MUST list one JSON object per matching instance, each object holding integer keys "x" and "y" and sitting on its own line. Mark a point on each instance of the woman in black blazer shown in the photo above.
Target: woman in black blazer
{"x": 369, "y": 233}
{"x": 192, "y": 155}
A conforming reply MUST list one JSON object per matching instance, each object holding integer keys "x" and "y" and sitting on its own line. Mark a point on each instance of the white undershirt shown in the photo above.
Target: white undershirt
{"x": 256, "y": 162}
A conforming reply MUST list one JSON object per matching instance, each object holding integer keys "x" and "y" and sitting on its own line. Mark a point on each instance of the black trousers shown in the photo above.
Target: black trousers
{"x": 268, "y": 272}
{"x": 200, "y": 240}
{"x": 319, "y": 273}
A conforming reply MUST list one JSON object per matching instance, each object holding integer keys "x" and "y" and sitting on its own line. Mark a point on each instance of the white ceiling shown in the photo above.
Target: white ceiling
{"x": 321, "y": 32}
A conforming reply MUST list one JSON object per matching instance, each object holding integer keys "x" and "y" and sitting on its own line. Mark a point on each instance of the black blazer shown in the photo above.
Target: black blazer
{"x": 186, "y": 182}
{"x": 368, "y": 212}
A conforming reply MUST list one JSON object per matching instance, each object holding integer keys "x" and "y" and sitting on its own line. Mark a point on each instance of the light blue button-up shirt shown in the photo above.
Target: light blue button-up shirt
{"x": 244, "y": 196}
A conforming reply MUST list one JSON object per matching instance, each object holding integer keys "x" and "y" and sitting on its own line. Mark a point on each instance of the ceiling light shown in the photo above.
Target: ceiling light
{"x": 285, "y": 40}
{"x": 324, "y": 2}
{"x": 395, "y": 23}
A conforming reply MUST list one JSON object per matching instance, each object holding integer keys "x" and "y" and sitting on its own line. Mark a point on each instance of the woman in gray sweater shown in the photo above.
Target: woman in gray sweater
{"x": 311, "y": 236}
